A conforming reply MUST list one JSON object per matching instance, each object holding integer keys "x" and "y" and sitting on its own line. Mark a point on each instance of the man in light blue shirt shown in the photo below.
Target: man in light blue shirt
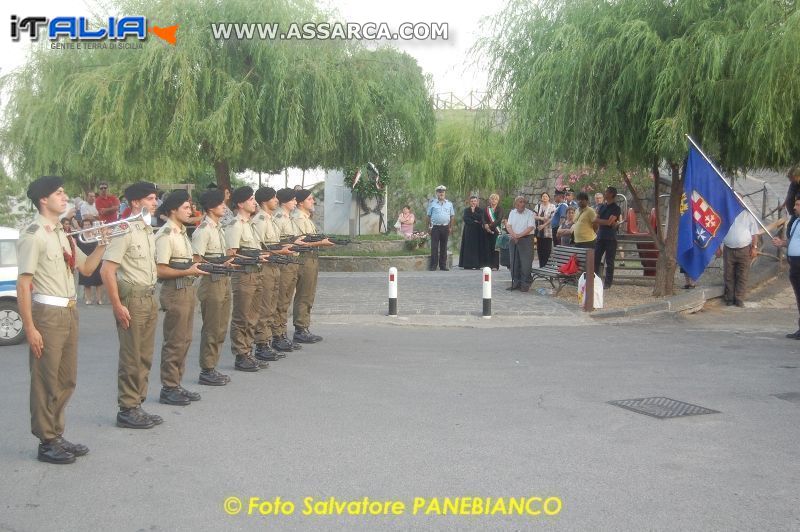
{"x": 441, "y": 216}
{"x": 792, "y": 243}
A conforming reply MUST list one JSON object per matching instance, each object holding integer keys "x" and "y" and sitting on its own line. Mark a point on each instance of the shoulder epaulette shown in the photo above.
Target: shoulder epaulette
{"x": 202, "y": 225}
{"x": 31, "y": 229}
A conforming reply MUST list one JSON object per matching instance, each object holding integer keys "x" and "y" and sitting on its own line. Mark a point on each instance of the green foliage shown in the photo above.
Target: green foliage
{"x": 470, "y": 153}
{"x": 367, "y": 186}
{"x": 620, "y": 83}
{"x": 168, "y": 112}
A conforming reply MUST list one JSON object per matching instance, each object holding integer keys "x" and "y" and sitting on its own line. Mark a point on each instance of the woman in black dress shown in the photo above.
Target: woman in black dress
{"x": 492, "y": 216}
{"x": 472, "y": 241}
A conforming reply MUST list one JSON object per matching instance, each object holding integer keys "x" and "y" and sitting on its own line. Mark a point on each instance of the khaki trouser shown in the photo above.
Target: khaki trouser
{"x": 53, "y": 376}
{"x": 306, "y": 290}
{"x": 287, "y": 286}
{"x": 136, "y": 344}
{"x": 737, "y": 266}
{"x": 246, "y": 302}
{"x": 215, "y": 307}
{"x": 178, "y": 304}
{"x": 271, "y": 274}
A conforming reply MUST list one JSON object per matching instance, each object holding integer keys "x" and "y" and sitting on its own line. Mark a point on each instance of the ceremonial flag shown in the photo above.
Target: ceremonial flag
{"x": 708, "y": 209}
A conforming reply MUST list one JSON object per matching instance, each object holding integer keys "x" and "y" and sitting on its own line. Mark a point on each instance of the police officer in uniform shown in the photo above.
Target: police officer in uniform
{"x": 214, "y": 292}
{"x": 177, "y": 272}
{"x": 242, "y": 233}
{"x": 129, "y": 275}
{"x": 269, "y": 234}
{"x": 308, "y": 272}
{"x": 46, "y": 298}
{"x": 288, "y": 281}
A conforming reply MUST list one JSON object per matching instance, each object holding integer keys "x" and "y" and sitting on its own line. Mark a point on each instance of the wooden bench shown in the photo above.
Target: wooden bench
{"x": 559, "y": 257}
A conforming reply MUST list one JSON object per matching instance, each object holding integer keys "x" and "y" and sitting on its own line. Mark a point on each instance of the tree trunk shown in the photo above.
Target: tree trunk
{"x": 666, "y": 265}
{"x": 223, "y": 174}
{"x": 656, "y": 194}
{"x": 286, "y": 177}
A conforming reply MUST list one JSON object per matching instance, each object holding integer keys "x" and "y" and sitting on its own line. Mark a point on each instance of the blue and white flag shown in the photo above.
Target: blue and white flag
{"x": 708, "y": 209}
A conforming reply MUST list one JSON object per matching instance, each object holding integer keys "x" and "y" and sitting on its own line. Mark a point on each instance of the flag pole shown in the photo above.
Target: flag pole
{"x": 722, "y": 178}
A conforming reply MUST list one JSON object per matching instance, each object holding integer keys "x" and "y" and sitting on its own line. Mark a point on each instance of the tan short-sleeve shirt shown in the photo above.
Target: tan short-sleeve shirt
{"x": 135, "y": 253}
{"x": 242, "y": 234}
{"x": 285, "y": 224}
{"x": 172, "y": 243}
{"x": 267, "y": 230}
{"x": 208, "y": 239}
{"x": 304, "y": 223}
{"x": 42, "y": 251}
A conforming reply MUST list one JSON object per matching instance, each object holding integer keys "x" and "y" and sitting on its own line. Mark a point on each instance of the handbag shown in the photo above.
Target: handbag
{"x": 397, "y": 224}
{"x": 570, "y": 267}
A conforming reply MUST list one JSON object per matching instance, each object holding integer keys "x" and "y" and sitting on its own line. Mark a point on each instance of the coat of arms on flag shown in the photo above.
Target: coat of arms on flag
{"x": 707, "y": 221}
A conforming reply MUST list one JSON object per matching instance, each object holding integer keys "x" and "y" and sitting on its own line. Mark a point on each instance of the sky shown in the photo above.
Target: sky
{"x": 447, "y": 62}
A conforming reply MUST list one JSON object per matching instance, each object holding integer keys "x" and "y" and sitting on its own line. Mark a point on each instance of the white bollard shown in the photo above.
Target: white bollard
{"x": 487, "y": 293}
{"x": 392, "y": 291}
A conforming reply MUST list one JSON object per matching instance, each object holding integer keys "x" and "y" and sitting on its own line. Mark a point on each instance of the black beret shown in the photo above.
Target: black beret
{"x": 302, "y": 194}
{"x": 140, "y": 190}
{"x": 264, "y": 194}
{"x": 240, "y": 195}
{"x": 43, "y": 187}
{"x": 173, "y": 200}
{"x": 212, "y": 198}
{"x": 286, "y": 194}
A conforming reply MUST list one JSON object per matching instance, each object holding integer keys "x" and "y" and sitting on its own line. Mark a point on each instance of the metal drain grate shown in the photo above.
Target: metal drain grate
{"x": 662, "y": 407}
{"x": 794, "y": 397}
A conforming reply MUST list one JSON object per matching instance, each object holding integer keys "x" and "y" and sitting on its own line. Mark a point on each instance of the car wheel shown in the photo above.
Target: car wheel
{"x": 10, "y": 323}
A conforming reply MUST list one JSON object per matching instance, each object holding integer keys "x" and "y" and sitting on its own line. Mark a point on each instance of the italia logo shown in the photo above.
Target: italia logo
{"x": 77, "y": 29}
{"x": 706, "y": 220}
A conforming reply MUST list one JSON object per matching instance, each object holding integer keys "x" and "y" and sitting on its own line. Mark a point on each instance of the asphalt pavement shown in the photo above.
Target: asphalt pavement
{"x": 446, "y": 406}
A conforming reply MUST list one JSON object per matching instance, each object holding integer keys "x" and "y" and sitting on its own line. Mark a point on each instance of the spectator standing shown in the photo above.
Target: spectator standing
{"x": 440, "y": 218}
{"x": 564, "y": 233}
{"x": 792, "y": 243}
{"x": 471, "y": 255}
{"x": 570, "y": 199}
{"x": 406, "y": 219}
{"x": 107, "y": 204}
{"x": 559, "y": 215}
{"x": 740, "y": 247}
{"x": 598, "y": 201}
{"x": 583, "y": 234}
{"x": 92, "y": 284}
{"x": 89, "y": 209}
{"x": 520, "y": 227}
{"x": 794, "y": 189}
{"x": 543, "y": 214}
{"x": 492, "y": 221}
{"x": 606, "y": 246}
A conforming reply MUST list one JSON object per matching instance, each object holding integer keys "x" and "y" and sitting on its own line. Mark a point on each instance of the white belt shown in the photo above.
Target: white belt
{"x": 54, "y": 300}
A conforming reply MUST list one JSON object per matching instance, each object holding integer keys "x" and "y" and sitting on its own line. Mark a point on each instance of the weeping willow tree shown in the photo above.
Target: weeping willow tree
{"x": 470, "y": 153}
{"x": 620, "y": 83}
{"x": 166, "y": 111}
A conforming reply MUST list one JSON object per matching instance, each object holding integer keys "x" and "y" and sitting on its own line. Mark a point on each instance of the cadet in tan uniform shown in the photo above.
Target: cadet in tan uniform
{"x": 287, "y": 228}
{"x": 241, "y": 233}
{"x": 129, "y": 275}
{"x": 176, "y": 272}
{"x": 46, "y": 299}
{"x": 271, "y": 274}
{"x": 309, "y": 270}
{"x": 214, "y": 292}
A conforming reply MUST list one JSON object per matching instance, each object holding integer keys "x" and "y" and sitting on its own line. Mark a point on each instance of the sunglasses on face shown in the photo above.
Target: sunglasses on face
{"x": 103, "y": 188}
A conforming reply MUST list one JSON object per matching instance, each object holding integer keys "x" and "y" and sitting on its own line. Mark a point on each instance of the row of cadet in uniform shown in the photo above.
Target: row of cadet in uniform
{"x": 254, "y": 299}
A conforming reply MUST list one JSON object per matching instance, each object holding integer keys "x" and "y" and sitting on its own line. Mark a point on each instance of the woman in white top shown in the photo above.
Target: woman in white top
{"x": 543, "y": 214}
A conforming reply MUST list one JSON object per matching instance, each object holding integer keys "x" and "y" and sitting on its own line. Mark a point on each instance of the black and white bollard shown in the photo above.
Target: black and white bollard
{"x": 487, "y": 293}
{"x": 392, "y": 291}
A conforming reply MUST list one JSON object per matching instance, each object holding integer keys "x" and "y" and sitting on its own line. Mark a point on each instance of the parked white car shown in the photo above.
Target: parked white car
{"x": 10, "y": 320}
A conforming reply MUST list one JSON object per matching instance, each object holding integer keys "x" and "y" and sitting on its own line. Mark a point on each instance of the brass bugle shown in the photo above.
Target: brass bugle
{"x": 103, "y": 233}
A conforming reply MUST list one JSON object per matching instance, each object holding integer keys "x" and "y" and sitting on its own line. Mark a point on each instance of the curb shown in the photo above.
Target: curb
{"x": 694, "y": 300}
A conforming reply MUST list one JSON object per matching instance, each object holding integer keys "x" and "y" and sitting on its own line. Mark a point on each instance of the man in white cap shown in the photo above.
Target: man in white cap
{"x": 441, "y": 216}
